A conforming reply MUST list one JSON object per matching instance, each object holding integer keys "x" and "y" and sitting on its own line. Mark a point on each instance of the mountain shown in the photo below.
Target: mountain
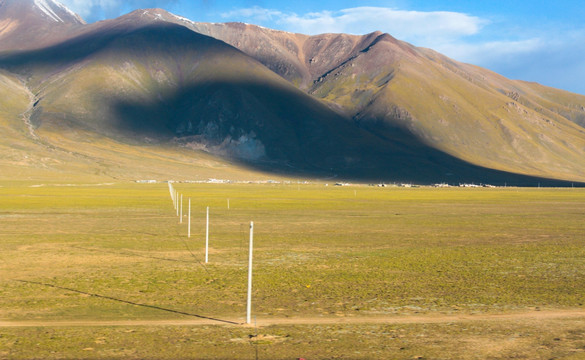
{"x": 29, "y": 24}
{"x": 391, "y": 88}
{"x": 150, "y": 94}
{"x": 141, "y": 82}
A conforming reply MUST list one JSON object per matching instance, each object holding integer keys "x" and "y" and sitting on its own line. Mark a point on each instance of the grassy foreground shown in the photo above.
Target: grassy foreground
{"x": 114, "y": 252}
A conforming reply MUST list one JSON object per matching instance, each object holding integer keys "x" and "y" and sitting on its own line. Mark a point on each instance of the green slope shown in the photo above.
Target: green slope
{"x": 464, "y": 111}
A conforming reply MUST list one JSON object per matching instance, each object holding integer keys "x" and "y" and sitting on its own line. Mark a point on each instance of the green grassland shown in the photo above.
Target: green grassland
{"x": 115, "y": 252}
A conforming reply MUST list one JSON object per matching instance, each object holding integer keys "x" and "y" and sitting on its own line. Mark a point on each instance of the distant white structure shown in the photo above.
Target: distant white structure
{"x": 218, "y": 181}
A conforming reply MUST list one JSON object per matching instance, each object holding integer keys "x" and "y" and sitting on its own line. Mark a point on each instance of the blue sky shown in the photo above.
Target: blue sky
{"x": 542, "y": 41}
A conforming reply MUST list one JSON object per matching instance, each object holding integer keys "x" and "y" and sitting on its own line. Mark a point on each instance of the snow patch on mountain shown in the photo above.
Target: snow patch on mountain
{"x": 44, "y": 6}
{"x": 183, "y": 19}
{"x": 55, "y": 11}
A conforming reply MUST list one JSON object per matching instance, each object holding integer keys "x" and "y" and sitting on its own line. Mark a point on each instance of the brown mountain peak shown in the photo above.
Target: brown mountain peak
{"x": 38, "y": 11}
{"x": 29, "y": 24}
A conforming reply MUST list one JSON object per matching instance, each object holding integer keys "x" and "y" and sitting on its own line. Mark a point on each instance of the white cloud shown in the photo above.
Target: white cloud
{"x": 490, "y": 51}
{"x": 414, "y": 26}
{"x": 256, "y": 13}
{"x": 556, "y": 60}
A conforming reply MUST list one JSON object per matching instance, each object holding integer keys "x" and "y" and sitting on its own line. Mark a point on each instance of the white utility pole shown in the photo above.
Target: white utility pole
{"x": 177, "y": 202}
{"x": 172, "y": 194}
{"x": 181, "y": 216}
{"x": 207, "y": 238}
{"x": 249, "y": 304}
{"x": 189, "y": 220}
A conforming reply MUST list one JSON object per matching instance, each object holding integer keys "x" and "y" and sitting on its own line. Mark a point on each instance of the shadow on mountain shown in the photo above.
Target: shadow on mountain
{"x": 281, "y": 130}
{"x": 120, "y": 35}
{"x": 260, "y": 122}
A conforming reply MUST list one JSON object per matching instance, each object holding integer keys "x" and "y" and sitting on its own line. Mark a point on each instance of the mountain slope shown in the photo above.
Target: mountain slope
{"x": 389, "y": 87}
{"x": 474, "y": 115}
{"x": 300, "y": 59}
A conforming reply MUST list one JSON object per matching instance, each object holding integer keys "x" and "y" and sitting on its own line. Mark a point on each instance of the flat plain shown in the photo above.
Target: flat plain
{"x": 359, "y": 272}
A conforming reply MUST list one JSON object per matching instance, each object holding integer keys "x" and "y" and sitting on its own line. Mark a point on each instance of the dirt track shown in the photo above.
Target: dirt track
{"x": 411, "y": 319}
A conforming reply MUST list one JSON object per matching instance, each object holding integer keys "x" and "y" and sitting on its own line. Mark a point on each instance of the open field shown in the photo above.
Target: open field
{"x": 107, "y": 271}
